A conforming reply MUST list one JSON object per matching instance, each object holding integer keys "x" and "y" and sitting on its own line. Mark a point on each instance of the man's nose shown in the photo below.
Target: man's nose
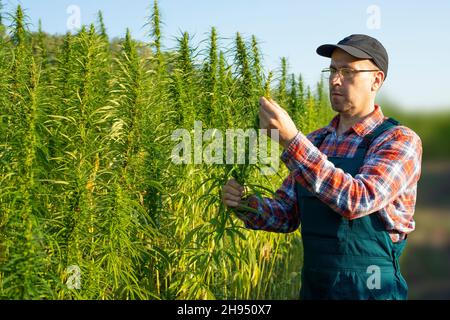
{"x": 336, "y": 80}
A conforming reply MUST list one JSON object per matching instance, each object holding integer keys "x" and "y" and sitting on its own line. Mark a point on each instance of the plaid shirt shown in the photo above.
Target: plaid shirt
{"x": 387, "y": 181}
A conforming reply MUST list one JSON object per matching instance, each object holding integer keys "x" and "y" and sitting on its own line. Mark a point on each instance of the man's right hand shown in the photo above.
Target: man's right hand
{"x": 232, "y": 193}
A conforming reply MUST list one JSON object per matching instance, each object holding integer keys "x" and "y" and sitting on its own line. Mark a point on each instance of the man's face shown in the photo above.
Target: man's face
{"x": 352, "y": 94}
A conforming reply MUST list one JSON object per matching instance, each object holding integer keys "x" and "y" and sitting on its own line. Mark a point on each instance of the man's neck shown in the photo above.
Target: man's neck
{"x": 348, "y": 120}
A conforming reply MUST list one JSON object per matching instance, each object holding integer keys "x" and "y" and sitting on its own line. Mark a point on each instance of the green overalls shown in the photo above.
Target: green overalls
{"x": 348, "y": 259}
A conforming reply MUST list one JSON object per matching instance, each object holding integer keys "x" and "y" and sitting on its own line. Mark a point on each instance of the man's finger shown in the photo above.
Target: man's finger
{"x": 272, "y": 107}
{"x": 262, "y": 121}
{"x": 232, "y": 190}
{"x": 264, "y": 116}
{"x": 231, "y": 204}
{"x": 234, "y": 184}
{"x": 267, "y": 106}
{"x": 229, "y": 196}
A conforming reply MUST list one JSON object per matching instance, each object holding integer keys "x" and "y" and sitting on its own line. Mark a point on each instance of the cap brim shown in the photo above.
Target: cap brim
{"x": 326, "y": 50}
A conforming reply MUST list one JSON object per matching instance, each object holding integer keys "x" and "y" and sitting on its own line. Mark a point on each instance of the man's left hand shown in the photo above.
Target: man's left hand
{"x": 272, "y": 116}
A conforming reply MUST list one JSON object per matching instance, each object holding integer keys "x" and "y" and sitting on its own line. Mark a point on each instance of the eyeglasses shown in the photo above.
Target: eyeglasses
{"x": 346, "y": 73}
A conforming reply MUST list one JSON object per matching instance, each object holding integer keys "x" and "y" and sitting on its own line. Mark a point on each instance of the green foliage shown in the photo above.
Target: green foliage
{"x": 1, "y": 13}
{"x": 102, "y": 28}
{"x": 155, "y": 22}
{"x": 282, "y": 85}
{"x": 86, "y": 177}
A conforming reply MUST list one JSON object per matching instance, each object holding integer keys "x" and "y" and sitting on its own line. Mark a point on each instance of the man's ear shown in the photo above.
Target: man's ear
{"x": 378, "y": 81}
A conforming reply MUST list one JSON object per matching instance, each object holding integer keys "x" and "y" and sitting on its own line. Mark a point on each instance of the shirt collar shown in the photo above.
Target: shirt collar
{"x": 363, "y": 127}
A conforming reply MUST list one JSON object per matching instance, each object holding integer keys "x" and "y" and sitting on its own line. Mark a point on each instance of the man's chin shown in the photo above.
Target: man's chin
{"x": 338, "y": 107}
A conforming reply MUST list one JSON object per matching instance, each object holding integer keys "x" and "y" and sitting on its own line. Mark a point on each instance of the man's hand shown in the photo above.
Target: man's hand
{"x": 272, "y": 116}
{"x": 232, "y": 193}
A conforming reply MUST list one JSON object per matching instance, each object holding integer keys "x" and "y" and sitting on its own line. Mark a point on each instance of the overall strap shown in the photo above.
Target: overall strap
{"x": 319, "y": 139}
{"x": 369, "y": 138}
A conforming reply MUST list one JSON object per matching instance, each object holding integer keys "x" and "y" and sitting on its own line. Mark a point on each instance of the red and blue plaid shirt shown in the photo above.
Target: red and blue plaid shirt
{"x": 387, "y": 181}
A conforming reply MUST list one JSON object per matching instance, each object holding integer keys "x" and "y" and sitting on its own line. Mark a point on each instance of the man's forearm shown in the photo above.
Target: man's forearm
{"x": 392, "y": 167}
{"x": 277, "y": 214}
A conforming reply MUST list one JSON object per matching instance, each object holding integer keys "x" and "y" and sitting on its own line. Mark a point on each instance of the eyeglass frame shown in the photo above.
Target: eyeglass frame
{"x": 339, "y": 72}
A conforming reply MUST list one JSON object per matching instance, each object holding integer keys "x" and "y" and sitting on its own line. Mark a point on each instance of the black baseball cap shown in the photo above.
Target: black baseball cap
{"x": 360, "y": 46}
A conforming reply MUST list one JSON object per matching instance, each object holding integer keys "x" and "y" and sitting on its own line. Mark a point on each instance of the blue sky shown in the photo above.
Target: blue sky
{"x": 415, "y": 34}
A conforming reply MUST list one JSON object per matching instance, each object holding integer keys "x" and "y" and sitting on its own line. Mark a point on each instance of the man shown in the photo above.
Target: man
{"x": 352, "y": 184}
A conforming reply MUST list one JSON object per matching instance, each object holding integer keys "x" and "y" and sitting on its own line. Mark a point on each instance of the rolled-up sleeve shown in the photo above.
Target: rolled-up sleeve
{"x": 276, "y": 214}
